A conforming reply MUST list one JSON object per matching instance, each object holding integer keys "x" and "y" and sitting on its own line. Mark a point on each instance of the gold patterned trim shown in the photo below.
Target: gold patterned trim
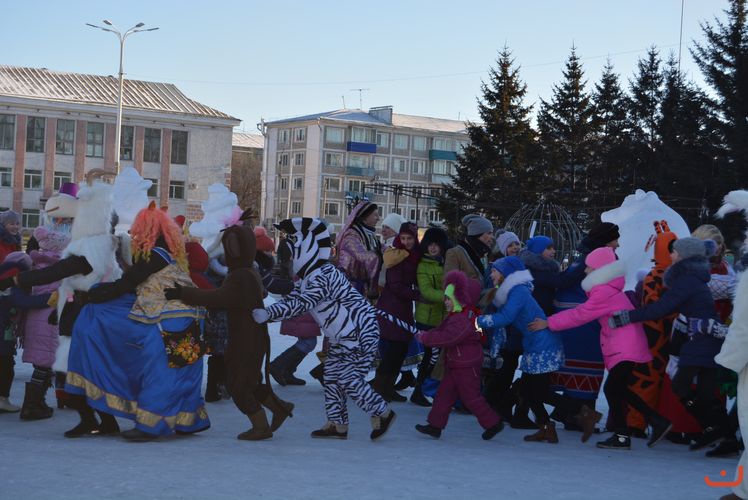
{"x": 197, "y": 313}
{"x": 145, "y": 417}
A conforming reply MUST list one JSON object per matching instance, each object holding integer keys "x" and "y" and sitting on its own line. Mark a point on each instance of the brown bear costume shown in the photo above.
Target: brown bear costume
{"x": 249, "y": 342}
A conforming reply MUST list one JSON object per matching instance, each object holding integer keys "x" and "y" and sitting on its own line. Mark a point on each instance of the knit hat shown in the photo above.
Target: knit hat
{"x": 264, "y": 243}
{"x": 476, "y": 225}
{"x": 504, "y": 240}
{"x": 689, "y": 247}
{"x": 538, "y": 244}
{"x": 602, "y": 234}
{"x": 394, "y": 221}
{"x": 10, "y": 217}
{"x": 508, "y": 265}
{"x": 600, "y": 257}
{"x": 367, "y": 208}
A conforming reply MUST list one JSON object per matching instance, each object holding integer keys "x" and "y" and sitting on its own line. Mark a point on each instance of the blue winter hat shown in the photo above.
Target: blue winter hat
{"x": 508, "y": 265}
{"x": 538, "y": 244}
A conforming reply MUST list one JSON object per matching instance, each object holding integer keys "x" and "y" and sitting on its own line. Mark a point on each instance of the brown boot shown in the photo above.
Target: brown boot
{"x": 547, "y": 432}
{"x": 331, "y": 430}
{"x": 260, "y": 429}
{"x": 280, "y": 409}
{"x": 587, "y": 418}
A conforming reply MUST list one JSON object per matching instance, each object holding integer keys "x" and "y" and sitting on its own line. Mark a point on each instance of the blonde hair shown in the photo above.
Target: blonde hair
{"x": 709, "y": 232}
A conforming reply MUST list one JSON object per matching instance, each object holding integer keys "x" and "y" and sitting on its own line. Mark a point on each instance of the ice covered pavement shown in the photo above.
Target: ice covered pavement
{"x": 39, "y": 463}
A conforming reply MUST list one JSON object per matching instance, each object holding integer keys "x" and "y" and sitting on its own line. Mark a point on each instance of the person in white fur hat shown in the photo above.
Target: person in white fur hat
{"x": 390, "y": 229}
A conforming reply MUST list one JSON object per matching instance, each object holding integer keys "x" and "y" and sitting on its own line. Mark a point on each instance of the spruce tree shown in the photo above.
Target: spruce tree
{"x": 644, "y": 107}
{"x": 491, "y": 172}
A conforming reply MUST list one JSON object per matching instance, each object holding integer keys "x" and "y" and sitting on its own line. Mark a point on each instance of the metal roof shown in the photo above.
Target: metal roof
{"x": 44, "y": 84}
{"x": 244, "y": 140}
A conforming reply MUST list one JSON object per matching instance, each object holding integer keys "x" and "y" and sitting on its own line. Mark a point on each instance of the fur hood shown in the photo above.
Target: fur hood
{"x": 604, "y": 275}
{"x": 517, "y": 278}
{"x": 467, "y": 291}
{"x": 537, "y": 263}
{"x": 697, "y": 267}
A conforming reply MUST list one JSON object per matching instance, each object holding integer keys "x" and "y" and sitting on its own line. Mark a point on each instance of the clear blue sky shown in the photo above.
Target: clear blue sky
{"x": 276, "y": 59}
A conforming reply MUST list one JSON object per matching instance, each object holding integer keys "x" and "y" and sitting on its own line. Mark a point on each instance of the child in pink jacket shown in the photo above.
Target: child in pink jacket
{"x": 623, "y": 348}
{"x": 463, "y": 352}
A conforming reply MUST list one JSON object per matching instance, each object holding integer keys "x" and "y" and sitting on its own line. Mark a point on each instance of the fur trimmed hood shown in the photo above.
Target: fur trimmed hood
{"x": 697, "y": 267}
{"x": 467, "y": 291}
{"x": 535, "y": 262}
{"x": 606, "y": 275}
{"x": 523, "y": 277}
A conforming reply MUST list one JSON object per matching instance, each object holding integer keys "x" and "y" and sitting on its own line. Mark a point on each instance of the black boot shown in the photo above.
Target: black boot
{"x": 88, "y": 426}
{"x": 407, "y": 379}
{"x": 521, "y": 418}
{"x": 318, "y": 372}
{"x": 429, "y": 430}
{"x": 730, "y": 447}
{"x": 489, "y": 433}
{"x": 419, "y": 398}
{"x": 294, "y": 360}
{"x": 212, "y": 394}
{"x": 283, "y": 367}
{"x": 109, "y": 425}
{"x": 137, "y": 436}
{"x": 34, "y": 407}
{"x": 660, "y": 427}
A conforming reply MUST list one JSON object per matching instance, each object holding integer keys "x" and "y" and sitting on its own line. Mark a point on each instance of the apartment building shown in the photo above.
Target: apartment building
{"x": 56, "y": 126}
{"x": 321, "y": 164}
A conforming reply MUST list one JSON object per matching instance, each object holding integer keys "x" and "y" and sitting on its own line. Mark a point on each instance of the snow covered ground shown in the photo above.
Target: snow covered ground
{"x": 39, "y": 463}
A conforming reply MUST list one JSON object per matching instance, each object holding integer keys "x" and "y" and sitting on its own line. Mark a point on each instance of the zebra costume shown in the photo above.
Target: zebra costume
{"x": 345, "y": 317}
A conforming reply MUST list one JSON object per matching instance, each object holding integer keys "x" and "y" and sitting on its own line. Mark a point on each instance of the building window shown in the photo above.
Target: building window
{"x": 418, "y": 167}
{"x": 282, "y": 159}
{"x": 444, "y": 144}
{"x": 358, "y": 161}
{"x": 332, "y": 209}
{"x": 126, "y": 141}
{"x": 153, "y": 190}
{"x": 61, "y": 178}
{"x": 95, "y": 140}
{"x": 361, "y": 134}
{"x": 30, "y": 218}
{"x": 179, "y": 147}
{"x": 295, "y": 208}
{"x": 333, "y": 159}
{"x": 298, "y": 159}
{"x": 444, "y": 167}
{"x": 380, "y": 211}
{"x": 415, "y": 215}
{"x": 65, "y": 141}
{"x": 332, "y": 184}
{"x": 32, "y": 179}
{"x": 334, "y": 135}
{"x": 380, "y": 163}
{"x": 383, "y": 140}
{"x": 284, "y": 135}
{"x": 176, "y": 190}
{"x": 401, "y": 142}
{"x": 355, "y": 186}
{"x": 435, "y": 192}
{"x": 152, "y": 145}
{"x": 401, "y": 166}
{"x": 461, "y": 145}
{"x": 419, "y": 143}
{"x": 434, "y": 216}
{"x": 7, "y": 131}
{"x": 283, "y": 184}
{"x": 298, "y": 183}
{"x": 6, "y": 177}
{"x": 378, "y": 189}
{"x": 35, "y": 134}
{"x": 299, "y": 134}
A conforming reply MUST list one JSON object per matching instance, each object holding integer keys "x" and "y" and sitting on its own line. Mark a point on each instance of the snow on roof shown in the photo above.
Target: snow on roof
{"x": 428, "y": 123}
{"x": 244, "y": 140}
{"x": 41, "y": 83}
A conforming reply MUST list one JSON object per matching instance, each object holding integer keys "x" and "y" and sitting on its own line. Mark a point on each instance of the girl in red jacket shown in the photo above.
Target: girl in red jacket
{"x": 463, "y": 358}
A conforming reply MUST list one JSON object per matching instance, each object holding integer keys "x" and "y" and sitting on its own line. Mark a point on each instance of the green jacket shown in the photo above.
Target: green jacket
{"x": 430, "y": 277}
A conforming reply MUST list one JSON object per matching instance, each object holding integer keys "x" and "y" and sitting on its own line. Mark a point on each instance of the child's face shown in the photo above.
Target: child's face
{"x": 512, "y": 250}
{"x": 408, "y": 241}
{"x": 549, "y": 253}
{"x": 434, "y": 249}
{"x": 448, "y": 304}
{"x": 13, "y": 227}
{"x": 496, "y": 277}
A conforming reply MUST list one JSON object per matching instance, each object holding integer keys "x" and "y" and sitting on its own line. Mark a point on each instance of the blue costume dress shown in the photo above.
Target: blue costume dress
{"x": 119, "y": 362}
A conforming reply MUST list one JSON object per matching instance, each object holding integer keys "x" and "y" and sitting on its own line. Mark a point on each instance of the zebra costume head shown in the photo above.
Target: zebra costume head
{"x": 312, "y": 243}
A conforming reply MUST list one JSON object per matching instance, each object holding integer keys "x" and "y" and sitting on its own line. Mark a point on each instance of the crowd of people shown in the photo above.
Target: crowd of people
{"x": 120, "y": 325}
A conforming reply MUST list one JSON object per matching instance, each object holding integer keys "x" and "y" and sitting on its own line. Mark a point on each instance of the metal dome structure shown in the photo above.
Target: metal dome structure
{"x": 549, "y": 220}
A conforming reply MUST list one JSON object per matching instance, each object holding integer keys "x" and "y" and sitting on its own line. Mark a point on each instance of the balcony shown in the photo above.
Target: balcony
{"x": 361, "y": 147}
{"x": 360, "y": 172}
{"x": 439, "y": 154}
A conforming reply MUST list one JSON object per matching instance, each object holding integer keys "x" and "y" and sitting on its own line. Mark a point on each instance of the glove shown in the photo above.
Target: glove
{"x": 173, "y": 293}
{"x": 52, "y": 319}
{"x": 260, "y": 316}
{"x": 619, "y": 319}
{"x": 7, "y": 283}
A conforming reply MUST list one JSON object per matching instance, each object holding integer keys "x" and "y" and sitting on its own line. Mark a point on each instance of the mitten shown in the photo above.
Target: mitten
{"x": 173, "y": 293}
{"x": 619, "y": 319}
{"x": 260, "y": 316}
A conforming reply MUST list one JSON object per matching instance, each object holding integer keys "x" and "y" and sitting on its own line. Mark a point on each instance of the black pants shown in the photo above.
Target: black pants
{"x": 6, "y": 375}
{"x": 702, "y": 402}
{"x": 536, "y": 392}
{"x": 496, "y": 389}
{"x": 619, "y": 396}
{"x": 393, "y": 355}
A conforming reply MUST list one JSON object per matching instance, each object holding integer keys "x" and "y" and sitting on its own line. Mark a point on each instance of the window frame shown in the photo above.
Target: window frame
{"x": 284, "y": 135}
{"x": 299, "y": 134}
{"x": 339, "y": 182}
{"x": 154, "y": 188}
{"x": 330, "y": 154}
{"x": 59, "y": 178}
{"x": 95, "y": 149}
{"x": 29, "y": 176}
{"x": 294, "y": 204}
{"x": 6, "y": 173}
{"x": 27, "y": 213}
{"x": 386, "y": 142}
{"x": 329, "y": 129}
{"x": 125, "y": 145}
{"x": 336, "y": 204}
{"x": 179, "y": 148}
{"x": 363, "y": 135}
{"x": 283, "y": 183}
{"x": 65, "y": 145}
{"x": 7, "y": 131}
{"x": 298, "y": 183}
{"x": 396, "y": 166}
{"x": 296, "y": 156}
{"x": 148, "y": 143}
{"x": 395, "y": 140}
{"x": 386, "y": 163}
{"x": 420, "y": 163}
{"x": 32, "y": 141}
{"x": 174, "y": 187}
{"x": 418, "y": 139}
{"x": 283, "y": 159}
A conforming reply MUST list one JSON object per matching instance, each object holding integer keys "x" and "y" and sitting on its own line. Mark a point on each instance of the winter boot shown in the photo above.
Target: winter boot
{"x": 547, "y": 432}
{"x": 318, "y": 372}
{"x": 109, "y": 425}
{"x": 260, "y": 429}
{"x": 88, "y": 426}
{"x": 429, "y": 430}
{"x": 294, "y": 360}
{"x": 419, "y": 398}
{"x": 135, "y": 435}
{"x": 331, "y": 430}
{"x": 381, "y": 423}
{"x": 616, "y": 442}
{"x": 660, "y": 428}
{"x": 212, "y": 392}
{"x": 710, "y": 436}
{"x": 521, "y": 418}
{"x": 7, "y": 407}
{"x": 587, "y": 418}
{"x": 280, "y": 410}
{"x": 407, "y": 379}
{"x": 283, "y": 367}
{"x": 730, "y": 447}
{"x": 278, "y": 368}
{"x": 34, "y": 407}
{"x": 489, "y": 433}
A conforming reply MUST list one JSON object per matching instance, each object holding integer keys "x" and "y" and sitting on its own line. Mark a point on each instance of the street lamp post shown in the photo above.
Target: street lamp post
{"x": 122, "y": 37}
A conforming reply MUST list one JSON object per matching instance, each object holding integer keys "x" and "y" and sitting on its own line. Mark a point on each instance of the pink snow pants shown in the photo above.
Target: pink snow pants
{"x": 462, "y": 384}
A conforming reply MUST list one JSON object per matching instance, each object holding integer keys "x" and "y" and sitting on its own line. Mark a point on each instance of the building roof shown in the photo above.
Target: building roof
{"x": 398, "y": 120}
{"x": 44, "y": 84}
{"x": 244, "y": 140}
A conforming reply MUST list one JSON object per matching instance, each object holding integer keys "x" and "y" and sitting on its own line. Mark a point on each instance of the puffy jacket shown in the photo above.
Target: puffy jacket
{"x": 430, "y": 278}
{"x": 547, "y": 278}
{"x": 543, "y": 351}
{"x": 397, "y": 299}
{"x": 461, "y": 342}
{"x": 604, "y": 287}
